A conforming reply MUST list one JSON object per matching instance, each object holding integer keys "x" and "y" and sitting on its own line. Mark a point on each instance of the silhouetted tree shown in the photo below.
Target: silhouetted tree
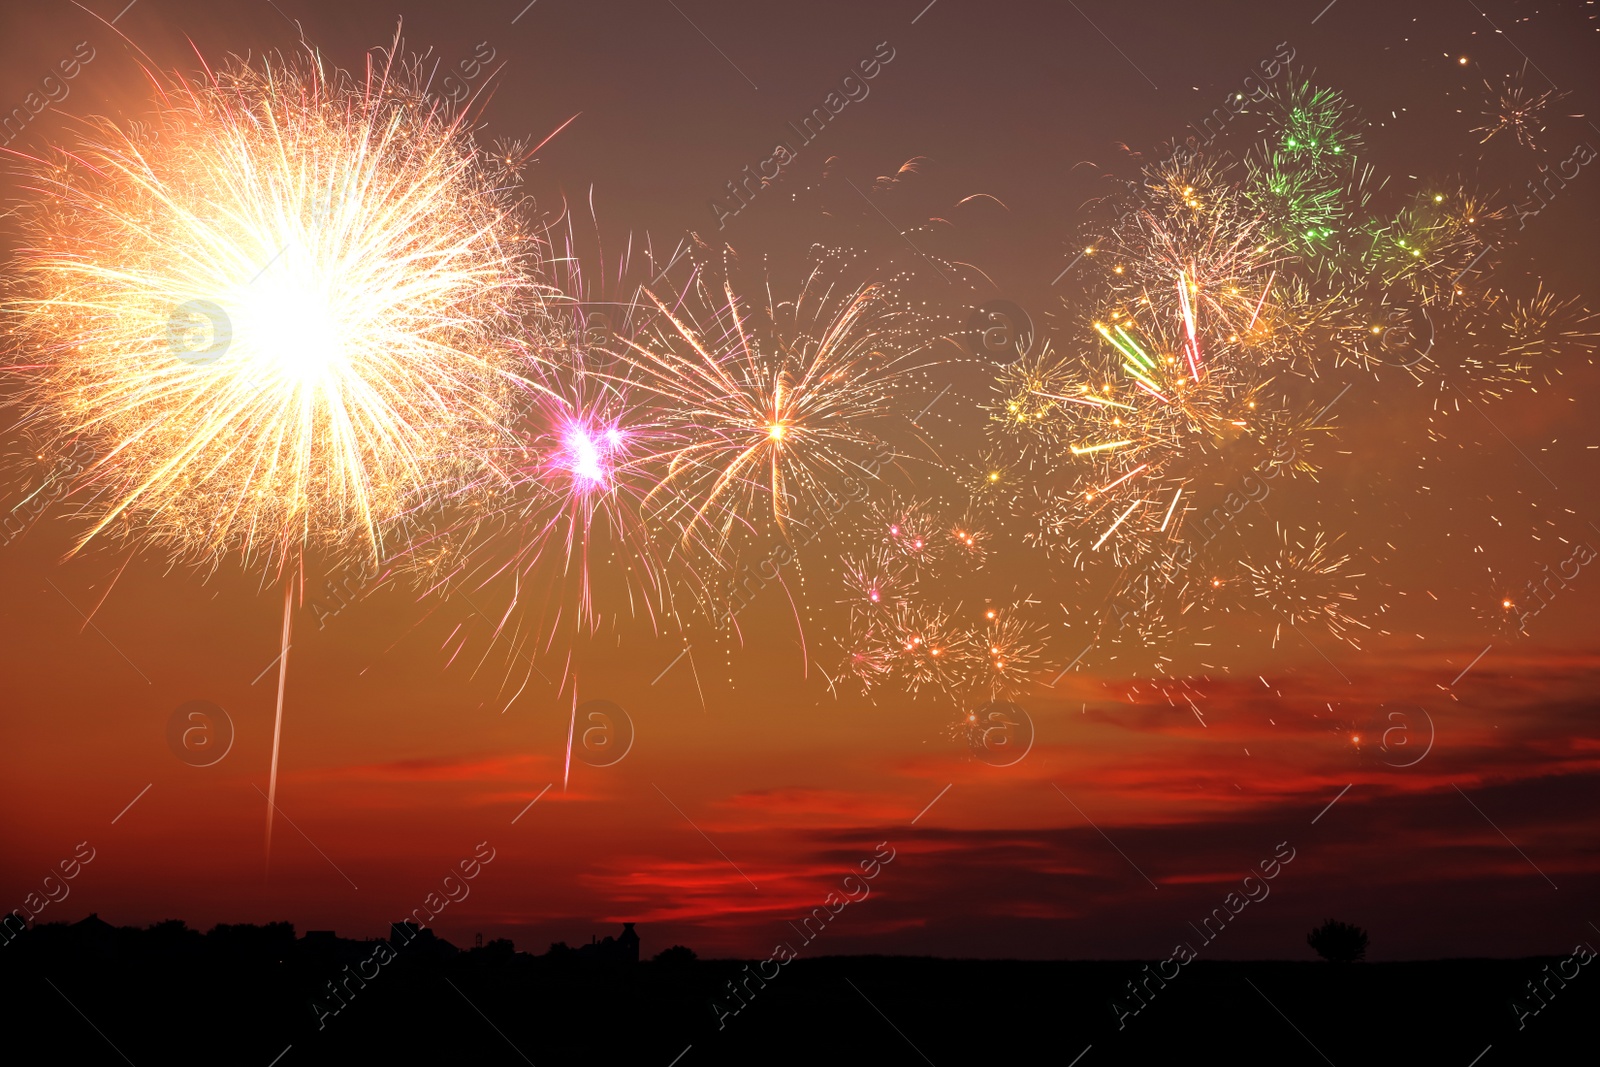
{"x": 676, "y": 956}
{"x": 1338, "y": 942}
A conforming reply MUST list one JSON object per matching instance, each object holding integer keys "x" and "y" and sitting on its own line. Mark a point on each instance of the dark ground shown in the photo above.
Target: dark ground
{"x": 242, "y": 995}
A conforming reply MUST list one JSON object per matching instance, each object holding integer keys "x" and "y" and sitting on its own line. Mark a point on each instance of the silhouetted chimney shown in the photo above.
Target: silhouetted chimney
{"x": 628, "y": 943}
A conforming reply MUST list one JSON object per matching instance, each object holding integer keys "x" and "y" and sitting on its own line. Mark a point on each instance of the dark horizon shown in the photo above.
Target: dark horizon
{"x": 319, "y": 998}
{"x": 270, "y": 931}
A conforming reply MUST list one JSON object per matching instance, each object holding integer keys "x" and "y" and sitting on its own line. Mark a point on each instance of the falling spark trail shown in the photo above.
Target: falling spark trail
{"x": 1192, "y": 345}
{"x": 1170, "y": 509}
{"x": 1084, "y": 451}
{"x": 1114, "y": 525}
{"x": 277, "y": 724}
{"x": 1122, "y": 479}
{"x": 572, "y": 727}
{"x": 1264, "y": 291}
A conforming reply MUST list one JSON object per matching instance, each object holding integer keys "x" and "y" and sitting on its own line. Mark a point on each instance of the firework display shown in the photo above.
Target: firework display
{"x": 1185, "y": 381}
{"x": 302, "y": 310}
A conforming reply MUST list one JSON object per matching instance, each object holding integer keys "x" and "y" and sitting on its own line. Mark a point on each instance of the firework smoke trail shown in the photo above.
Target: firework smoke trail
{"x": 270, "y": 312}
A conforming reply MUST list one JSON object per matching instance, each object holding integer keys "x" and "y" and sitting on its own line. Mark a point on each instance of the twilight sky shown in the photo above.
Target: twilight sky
{"x": 750, "y": 789}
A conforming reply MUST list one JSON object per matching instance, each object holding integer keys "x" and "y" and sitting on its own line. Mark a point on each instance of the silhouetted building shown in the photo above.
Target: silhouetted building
{"x": 93, "y": 928}
{"x": 273, "y": 941}
{"x": 623, "y": 948}
{"x": 420, "y": 941}
{"x": 329, "y": 949}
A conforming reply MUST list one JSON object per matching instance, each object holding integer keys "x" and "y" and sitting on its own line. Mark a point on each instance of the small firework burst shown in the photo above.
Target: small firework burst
{"x": 869, "y": 657}
{"x": 1289, "y": 327}
{"x": 1304, "y": 208}
{"x": 927, "y": 651}
{"x": 1009, "y": 648}
{"x": 1542, "y": 328}
{"x": 1184, "y": 223}
{"x": 998, "y": 732}
{"x": 876, "y": 581}
{"x": 1314, "y": 125}
{"x": 582, "y": 460}
{"x": 969, "y": 541}
{"x": 774, "y": 400}
{"x": 1289, "y": 439}
{"x": 1033, "y": 393}
{"x": 1429, "y": 243}
{"x": 1505, "y": 606}
{"x": 998, "y": 482}
{"x": 910, "y": 529}
{"x": 1514, "y": 109}
{"x": 1306, "y": 583}
{"x": 510, "y": 156}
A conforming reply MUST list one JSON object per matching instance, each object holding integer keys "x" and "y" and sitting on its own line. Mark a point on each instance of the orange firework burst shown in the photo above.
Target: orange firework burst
{"x": 270, "y": 310}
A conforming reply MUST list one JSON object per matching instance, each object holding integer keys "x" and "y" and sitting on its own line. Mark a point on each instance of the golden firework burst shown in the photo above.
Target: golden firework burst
{"x": 271, "y": 310}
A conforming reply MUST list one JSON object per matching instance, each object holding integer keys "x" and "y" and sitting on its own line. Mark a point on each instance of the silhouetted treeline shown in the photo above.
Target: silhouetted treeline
{"x": 242, "y": 994}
